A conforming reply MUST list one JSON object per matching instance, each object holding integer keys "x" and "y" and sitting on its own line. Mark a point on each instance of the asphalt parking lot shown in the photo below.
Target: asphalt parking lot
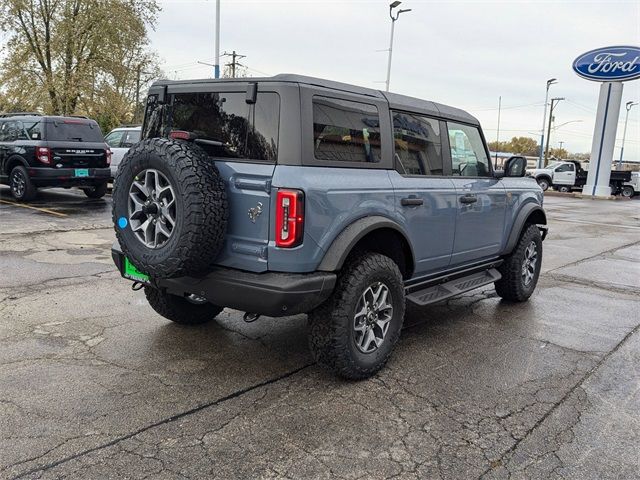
{"x": 94, "y": 384}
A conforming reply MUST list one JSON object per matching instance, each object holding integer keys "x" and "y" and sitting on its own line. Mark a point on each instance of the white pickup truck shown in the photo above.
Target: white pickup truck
{"x": 566, "y": 176}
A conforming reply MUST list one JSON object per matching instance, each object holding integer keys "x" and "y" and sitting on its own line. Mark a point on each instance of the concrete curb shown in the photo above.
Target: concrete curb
{"x": 615, "y": 198}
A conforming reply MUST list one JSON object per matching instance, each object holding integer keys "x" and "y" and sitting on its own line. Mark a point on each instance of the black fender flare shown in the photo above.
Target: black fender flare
{"x": 521, "y": 219}
{"x": 342, "y": 245}
{"x": 14, "y": 159}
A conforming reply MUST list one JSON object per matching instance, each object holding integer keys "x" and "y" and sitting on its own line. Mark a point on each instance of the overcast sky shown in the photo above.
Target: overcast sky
{"x": 462, "y": 53}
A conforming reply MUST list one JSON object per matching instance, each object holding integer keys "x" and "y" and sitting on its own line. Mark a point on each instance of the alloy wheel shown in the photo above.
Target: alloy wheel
{"x": 18, "y": 183}
{"x": 372, "y": 318}
{"x": 152, "y": 208}
{"x": 529, "y": 263}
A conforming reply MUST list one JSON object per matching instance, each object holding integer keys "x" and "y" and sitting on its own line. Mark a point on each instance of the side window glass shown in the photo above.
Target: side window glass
{"x": 32, "y": 130}
{"x": 468, "y": 155}
{"x": 3, "y": 131}
{"x": 345, "y": 131}
{"x": 567, "y": 167}
{"x": 417, "y": 145}
{"x": 130, "y": 138}
{"x": 114, "y": 139}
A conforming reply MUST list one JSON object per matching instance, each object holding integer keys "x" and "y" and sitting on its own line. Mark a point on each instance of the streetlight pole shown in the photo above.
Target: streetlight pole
{"x": 554, "y": 102}
{"x": 216, "y": 63}
{"x": 624, "y": 134}
{"x": 550, "y": 82}
{"x": 393, "y": 5}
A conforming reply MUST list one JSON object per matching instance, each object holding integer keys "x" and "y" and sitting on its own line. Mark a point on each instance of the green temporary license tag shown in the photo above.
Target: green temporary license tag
{"x": 82, "y": 172}
{"x": 131, "y": 272}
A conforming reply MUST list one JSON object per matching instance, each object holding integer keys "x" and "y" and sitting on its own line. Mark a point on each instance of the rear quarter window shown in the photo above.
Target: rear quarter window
{"x": 345, "y": 131}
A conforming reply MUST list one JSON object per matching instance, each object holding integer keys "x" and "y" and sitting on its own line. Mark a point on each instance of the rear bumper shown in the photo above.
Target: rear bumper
{"x": 273, "y": 294}
{"x": 66, "y": 177}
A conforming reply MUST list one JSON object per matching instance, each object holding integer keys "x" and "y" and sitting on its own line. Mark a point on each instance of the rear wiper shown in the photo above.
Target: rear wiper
{"x": 77, "y": 139}
{"x": 213, "y": 143}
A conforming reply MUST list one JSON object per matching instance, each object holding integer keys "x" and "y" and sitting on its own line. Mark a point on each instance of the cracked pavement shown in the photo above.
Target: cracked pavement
{"x": 94, "y": 384}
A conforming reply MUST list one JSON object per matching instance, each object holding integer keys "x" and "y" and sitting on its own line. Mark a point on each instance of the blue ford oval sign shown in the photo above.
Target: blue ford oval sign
{"x": 609, "y": 64}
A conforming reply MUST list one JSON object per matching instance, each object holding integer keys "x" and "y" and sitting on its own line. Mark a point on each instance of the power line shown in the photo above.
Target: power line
{"x": 234, "y": 61}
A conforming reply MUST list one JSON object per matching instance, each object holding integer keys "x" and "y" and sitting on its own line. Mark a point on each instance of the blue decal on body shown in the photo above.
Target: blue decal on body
{"x": 609, "y": 64}
{"x": 122, "y": 222}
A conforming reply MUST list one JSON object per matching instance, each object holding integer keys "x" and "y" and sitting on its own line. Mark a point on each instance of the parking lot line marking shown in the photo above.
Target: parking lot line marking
{"x": 45, "y": 210}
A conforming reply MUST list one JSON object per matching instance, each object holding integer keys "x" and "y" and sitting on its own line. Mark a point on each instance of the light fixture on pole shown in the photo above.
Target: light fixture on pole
{"x": 550, "y": 82}
{"x": 554, "y": 102}
{"x": 624, "y": 135}
{"x": 393, "y": 5}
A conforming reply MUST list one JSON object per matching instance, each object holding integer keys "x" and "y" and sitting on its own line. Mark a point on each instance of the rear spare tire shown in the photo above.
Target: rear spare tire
{"x": 169, "y": 208}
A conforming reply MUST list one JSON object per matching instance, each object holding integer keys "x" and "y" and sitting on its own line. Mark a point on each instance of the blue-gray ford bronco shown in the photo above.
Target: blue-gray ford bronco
{"x": 287, "y": 195}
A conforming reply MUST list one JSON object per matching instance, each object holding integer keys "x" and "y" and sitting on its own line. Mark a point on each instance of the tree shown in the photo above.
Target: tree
{"x": 520, "y": 145}
{"x": 560, "y": 153}
{"x": 69, "y": 57}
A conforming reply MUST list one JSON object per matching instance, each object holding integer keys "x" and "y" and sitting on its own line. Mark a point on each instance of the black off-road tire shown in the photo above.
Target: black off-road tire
{"x": 331, "y": 333}
{"x": 544, "y": 183}
{"x": 179, "y": 309}
{"x": 98, "y": 191}
{"x": 28, "y": 191}
{"x": 201, "y": 208}
{"x": 512, "y": 286}
{"x": 563, "y": 189}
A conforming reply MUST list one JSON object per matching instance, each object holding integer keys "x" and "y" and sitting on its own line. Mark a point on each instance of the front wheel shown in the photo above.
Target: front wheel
{"x": 544, "y": 184}
{"x": 191, "y": 310}
{"x": 353, "y": 333}
{"x": 521, "y": 269}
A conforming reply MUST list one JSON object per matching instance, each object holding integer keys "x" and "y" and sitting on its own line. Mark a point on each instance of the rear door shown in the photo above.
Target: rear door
{"x": 481, "y": 198}
{"x": 424, "y": 196}
{"x": 242, "y": 139}
{"x": 76, "y": 143}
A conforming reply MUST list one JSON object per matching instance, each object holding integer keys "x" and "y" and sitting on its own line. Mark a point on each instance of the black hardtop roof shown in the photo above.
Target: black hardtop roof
{"x": 397, "y": 101}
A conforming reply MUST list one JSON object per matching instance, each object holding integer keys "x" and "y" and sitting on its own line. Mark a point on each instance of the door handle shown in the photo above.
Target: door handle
{"x": 468, "y": 199}
{"x": 411, "y": 201}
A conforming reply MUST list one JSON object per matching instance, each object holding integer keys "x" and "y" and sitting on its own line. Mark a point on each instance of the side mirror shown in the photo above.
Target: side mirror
{"x": 515, "y": 167}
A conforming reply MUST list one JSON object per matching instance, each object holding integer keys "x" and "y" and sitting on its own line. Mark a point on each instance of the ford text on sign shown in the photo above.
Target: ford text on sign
{"x": 609, "y": 64}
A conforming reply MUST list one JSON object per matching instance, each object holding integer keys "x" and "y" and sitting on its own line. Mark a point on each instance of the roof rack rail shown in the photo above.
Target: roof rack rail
{"x": 20, "y": 114}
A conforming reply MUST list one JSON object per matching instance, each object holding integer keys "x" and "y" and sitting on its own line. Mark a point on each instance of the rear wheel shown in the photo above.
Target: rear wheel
{"x": 627, "y": 191}
{"x": 563, "y": 188}
{"x": 190, "y": 310}
{"x": 521, "y": 269}
{"x": 96, "y": 192}
{"x": 22, "y": 188}
{"x": 544, "y": 183}
{"x": 353, "y": 333}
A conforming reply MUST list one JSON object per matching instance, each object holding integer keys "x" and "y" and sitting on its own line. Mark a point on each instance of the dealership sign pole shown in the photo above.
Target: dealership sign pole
{"x": 611, "y": 66}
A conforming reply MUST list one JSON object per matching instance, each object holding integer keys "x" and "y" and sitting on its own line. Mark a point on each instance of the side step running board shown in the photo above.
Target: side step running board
{"x": 454, "y": 287}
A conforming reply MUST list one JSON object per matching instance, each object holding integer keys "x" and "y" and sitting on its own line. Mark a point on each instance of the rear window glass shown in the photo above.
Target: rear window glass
{"x": 345, "y": 131}
{"x": 223, "y": 124}
{"x": 73, "y": 131}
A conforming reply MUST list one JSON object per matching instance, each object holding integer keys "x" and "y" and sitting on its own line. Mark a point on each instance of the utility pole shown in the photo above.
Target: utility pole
{"x": 216, "y": 66}
{"x": 624, "y": 135}
{"x": 554, "y": 103}
{"x": 498, "y": 131}
{"x": 234, "y": 63}
{"x": 560, "y": 144}
{"x": 550, "y": 82}
{"x": 393, "y": 5}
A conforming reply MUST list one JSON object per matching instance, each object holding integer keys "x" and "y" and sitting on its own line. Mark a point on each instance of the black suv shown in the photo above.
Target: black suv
{"x": 48, "y": 151}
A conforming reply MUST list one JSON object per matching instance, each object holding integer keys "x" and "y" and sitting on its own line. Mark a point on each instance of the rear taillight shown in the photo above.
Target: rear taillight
{"x": 44, "y": 155}
{"x": 289, "y": 218}
{"x": 108, "y": 156}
